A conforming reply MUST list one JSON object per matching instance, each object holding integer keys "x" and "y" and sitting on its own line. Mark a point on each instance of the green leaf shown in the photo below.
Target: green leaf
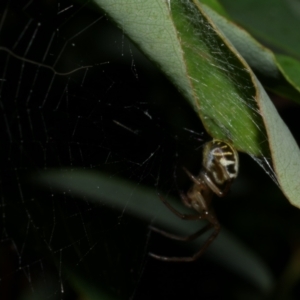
{"x": 216, "y": 6}
{"x": 200, "y": 63}
{"x": 275, "y": 22}
{"x": 279, "y": 73}
{"x": 214, "y": 78}
{"x": 290, "y": 68}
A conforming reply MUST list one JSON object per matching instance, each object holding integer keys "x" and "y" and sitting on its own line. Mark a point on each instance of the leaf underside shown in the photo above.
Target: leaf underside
{"x": 214, "y": 78}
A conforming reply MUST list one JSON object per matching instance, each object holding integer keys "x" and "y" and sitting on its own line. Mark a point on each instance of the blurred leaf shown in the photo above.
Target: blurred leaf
{"x": 290, "y": 277}
{"x": 89, "y": 290}
{"x": 144, "y": 204}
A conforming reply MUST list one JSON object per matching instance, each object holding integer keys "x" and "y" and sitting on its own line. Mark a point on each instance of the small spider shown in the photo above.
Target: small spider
{"x": 219, "y": 169}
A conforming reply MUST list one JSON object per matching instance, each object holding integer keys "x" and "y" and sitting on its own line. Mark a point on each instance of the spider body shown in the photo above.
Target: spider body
{"x": 219, "y": 168}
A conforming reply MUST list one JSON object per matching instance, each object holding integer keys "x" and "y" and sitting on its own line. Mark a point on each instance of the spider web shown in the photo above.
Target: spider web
{"x": 77, "y": 95}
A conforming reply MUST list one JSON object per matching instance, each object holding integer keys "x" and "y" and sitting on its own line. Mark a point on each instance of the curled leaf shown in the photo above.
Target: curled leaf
{"x": 232, "y": 105}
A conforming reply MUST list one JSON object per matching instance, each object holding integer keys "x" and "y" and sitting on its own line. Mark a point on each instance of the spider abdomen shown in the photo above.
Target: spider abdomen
{"x": 220, "y": 163}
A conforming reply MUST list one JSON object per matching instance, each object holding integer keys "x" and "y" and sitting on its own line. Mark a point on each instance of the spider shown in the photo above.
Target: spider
{"x": 219, "y": 169}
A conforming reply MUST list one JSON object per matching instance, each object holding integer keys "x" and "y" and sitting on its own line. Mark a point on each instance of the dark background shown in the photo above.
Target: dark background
{"x": 52, "y": 121}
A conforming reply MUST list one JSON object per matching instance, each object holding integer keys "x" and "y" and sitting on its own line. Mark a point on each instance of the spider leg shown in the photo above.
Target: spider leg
{"x": 182, "y": 238}
{"x": 196, "y": 255}
{"x": 185, "y": 199}
{"x": 179, "y": 214}
{"x": 214, "y": 188}
{"x": 191, "y": 176}
{"x": 207, "y": 243}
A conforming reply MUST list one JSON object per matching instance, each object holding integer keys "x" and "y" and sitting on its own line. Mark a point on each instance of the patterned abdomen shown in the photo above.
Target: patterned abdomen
{"x": 220, "y": 162}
